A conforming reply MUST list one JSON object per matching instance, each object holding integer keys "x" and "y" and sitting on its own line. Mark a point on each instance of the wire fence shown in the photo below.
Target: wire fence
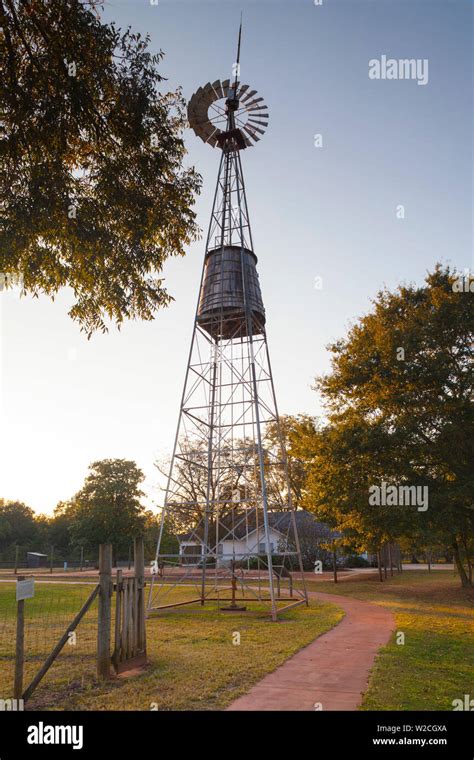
{"x": 46, "y": 618}
{"x": 66, "y": 617}
{"x": 45, "y": 559}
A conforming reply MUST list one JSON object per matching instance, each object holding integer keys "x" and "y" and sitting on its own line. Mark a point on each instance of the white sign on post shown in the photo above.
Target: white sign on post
{"x": 25, "y": 589}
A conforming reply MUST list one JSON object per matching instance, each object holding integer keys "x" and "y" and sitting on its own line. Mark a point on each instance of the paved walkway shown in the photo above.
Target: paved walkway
{"x": 333, "y": 670}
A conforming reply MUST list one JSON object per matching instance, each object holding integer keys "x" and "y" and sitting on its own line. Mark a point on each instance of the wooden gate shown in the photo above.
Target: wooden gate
{"x": 130, "y": 633}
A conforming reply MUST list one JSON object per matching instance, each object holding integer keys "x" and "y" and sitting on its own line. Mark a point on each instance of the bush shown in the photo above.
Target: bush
{"x": 353, "y": 560}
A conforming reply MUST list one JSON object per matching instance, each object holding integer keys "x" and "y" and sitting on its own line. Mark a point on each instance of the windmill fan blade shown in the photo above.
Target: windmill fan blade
{"x": 258, "y": 120}
{"x": 212, "y": 136}
{"x": 252, "y": 102}
{"x": 200, "y": 133}
{"x": 258, "y": 117}
{"x": 252, "y": 134}
{"x": 217, "y": 87}
{"x": 257, "y": 129}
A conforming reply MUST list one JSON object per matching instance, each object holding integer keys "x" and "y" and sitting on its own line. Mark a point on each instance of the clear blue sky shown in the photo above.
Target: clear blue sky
{"x": 316, "y": 212}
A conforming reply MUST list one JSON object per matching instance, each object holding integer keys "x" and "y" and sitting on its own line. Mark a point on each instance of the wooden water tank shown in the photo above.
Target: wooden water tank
{"x": 221, "y": 309}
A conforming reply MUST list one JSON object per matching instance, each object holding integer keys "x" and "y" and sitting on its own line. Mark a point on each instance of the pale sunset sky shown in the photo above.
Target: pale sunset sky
{"x": 317, "y": 212}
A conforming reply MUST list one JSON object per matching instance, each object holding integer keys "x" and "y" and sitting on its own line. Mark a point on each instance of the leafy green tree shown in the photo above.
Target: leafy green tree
{"x": 400, "y": 409}
{"x": 169, "y": 541}
{"x": 60, "y": 530}
{"x": 94, "y": 193}
{"x": 340, "y": 467}
{"x": 294, "y": 471}
{"x": 108, "y": 509}
{"x": 17, "y": 526}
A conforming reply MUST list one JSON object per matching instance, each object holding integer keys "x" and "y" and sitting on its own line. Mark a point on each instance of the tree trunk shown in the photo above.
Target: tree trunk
{"x": 334, "y": 561}
{"x": 390, "y": 558}
{"x": 379, "y": 564}
{"x": 465, "y": 582}
{"x": 468, "y": 560}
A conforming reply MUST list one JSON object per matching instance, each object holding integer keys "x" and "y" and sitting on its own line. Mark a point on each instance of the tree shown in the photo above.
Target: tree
{"x": 60, "y": 530}
{"x": 17, "y": 526}
{"x": 233, "y": 480}
{"x": 294, "y": 472}
{"x": 169, "y": 541}
{"x": 107, "y": 509}
{"x": 94, "y": 195}
{"x": 316, "y": 542}
{"x": 399, "y": 398}
{"x": 234, "y": 483}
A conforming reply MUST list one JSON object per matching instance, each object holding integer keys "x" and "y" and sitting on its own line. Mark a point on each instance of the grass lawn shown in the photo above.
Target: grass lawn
{"x": 194, "y": 664}
{"x": 436, "y": 663}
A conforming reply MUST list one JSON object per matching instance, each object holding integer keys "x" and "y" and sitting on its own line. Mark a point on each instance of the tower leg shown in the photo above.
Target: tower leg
{"x": 210, "y": 484}
{"x": 263, "y": 486}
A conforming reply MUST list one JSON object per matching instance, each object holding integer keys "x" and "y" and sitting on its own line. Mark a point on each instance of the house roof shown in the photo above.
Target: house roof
{"x": 242, "y": 526}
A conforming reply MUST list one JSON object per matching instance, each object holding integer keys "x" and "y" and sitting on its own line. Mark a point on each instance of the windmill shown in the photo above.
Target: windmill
{"x": 228, "y": 494}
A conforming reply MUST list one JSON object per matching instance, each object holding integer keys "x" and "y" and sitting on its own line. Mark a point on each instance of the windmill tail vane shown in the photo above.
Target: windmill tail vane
{"x": 228, "y": 497}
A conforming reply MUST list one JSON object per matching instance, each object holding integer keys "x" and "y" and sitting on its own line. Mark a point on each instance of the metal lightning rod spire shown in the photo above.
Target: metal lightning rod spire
{"x": 237, "y": 66}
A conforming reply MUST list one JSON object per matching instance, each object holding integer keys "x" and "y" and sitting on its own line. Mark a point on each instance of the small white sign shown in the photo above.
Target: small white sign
{"x": 25, "y": 589}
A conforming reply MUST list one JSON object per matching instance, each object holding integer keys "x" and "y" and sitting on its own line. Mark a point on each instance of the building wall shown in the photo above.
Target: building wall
{"x": 241, "y": 548}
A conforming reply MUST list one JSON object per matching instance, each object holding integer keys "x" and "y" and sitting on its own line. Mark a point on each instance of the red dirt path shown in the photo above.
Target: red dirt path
{"x": 333, "y": 670}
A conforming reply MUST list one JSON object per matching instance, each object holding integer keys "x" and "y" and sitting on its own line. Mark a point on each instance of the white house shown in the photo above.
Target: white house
{"x": 244, "y": 541}
{"x": 250, "y": 545}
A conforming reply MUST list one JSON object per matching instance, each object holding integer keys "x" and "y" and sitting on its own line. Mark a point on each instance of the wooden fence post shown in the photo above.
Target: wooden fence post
{"x": 139, "y": 551}
{"x": 103, "y": 628}
{"x": 20, "y": 646}
{"x": 118, "y": 619}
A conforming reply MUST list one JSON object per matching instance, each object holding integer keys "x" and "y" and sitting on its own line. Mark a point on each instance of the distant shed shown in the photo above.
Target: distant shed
{"x": 36, "y": 559}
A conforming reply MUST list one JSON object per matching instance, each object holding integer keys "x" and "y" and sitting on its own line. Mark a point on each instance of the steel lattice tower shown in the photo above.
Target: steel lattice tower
{"x": 228, "y": 492}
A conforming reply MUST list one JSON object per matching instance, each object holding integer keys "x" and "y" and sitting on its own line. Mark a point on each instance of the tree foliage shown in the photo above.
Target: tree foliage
{"x": 94, "y": 195}
{"x": 17, "y": 525}
{"x": 108, "y": 507}
{"x": 400, "y": 410}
